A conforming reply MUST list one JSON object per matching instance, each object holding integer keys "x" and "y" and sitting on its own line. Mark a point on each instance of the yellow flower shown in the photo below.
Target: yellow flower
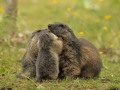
{"x": 68, "y": 9}
{"x": 1, "y": 9}
{"x": 118, "y": 36}
{"x": 74, "y": 13}
{"x": 87, "y": 7}
{"x": 87, "y": 17}
{"x": 105, "y": 28}
{"x": 81, "y": 33}
{"x": 112, "y": 46}
{"x": 100, "y": 52}
{"x": 97, "y": 20}
{"x": 54, "y": 1}
{"x": 101, "y": 0}
{"x": 107, "y": 17}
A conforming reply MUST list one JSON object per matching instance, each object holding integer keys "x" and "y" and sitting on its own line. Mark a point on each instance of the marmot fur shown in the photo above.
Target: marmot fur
{"x": 79, "y": 57}
{"x": 47, "y": 64}
{"x": 30, "y": 56}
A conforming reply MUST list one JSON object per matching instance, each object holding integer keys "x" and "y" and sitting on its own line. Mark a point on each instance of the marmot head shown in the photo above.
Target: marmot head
{"x": 61, "y": 30}
{"x": 47, "y": 39}
{"x": 33, "y": 45}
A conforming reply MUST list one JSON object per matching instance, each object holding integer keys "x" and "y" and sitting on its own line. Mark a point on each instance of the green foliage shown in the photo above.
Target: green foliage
{"x": 101, "y": 27}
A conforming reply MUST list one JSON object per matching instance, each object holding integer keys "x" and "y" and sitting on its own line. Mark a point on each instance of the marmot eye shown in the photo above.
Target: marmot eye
{"x": 61, "y": 25}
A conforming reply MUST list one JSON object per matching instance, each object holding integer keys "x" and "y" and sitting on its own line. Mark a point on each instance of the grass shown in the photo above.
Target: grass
{"x": 101, "y": 27}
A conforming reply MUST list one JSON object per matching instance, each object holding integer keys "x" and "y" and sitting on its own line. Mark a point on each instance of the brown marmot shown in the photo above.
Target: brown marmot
{"x": 79, "y": 57}
{"x": 47, "y": 63}
{"x": 30, "y": 56}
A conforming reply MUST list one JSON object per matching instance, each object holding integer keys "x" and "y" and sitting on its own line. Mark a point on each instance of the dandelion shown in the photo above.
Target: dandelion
{"x": 101, "y": 0}
{"x": 1, "y": 9}
{"x": 100, "y": 52}
{"x": 119, "y": 36}
{"x": 112, "y": 46}
{"x": 81, "y": 33}
{"x": 68, "y": 9}
{"x": 107, "y": 17}
{"x": 87, "y": 7}
{"x": 105, "y": 28}
{"x": 54, "y": 1}
{"x": 87, "y": 17}
{"x": 74, "y": 13}
{"x": 97, "y": 20}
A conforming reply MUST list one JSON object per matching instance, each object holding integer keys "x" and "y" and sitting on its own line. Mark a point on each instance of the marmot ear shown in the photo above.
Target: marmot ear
{"x": 62, "y": 25}
{"x": 35, "y": 33}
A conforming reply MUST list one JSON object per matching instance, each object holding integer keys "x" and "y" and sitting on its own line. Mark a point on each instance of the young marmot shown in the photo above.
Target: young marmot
{"x": 47, "y": 64}
{"x": 79, "y": 57}
{"x": 30, "y": 56}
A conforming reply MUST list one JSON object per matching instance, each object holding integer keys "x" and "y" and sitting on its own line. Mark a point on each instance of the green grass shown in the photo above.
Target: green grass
{"x": 103, "y": 33}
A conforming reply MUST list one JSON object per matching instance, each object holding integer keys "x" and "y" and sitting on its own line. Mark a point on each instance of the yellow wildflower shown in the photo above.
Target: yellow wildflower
{"x": 87, "y": 17}
{"x": 87, "y": 7}
{"x": 105, "y": 28}
{"x": 97, "y": 20}
{"x": 81, "y": 33}
{"x": 101, "y": 0}
{"x": 68, "y": 9}
{"x": 118, "y": 36}
{"x": 100, "y": 52}
{"x": 74, "y": 13}
{"x": 112, "y": 46}
{"x": 107, "y": 17}
{"x": 54, "y": 1}
{"x": 1, "y": 9}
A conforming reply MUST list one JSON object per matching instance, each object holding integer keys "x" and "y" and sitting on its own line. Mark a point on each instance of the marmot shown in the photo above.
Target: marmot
{"x": 47, "y": 63}
{"x": 30, "y": 56}
{"x": 79, "y": 57}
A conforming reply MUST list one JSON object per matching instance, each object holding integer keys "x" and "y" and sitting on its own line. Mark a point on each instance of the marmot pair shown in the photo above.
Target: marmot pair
{"x": 79, "y": 57}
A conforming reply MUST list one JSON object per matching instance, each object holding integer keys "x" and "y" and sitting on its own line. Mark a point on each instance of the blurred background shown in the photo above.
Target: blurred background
{"x": 95, "y": 20}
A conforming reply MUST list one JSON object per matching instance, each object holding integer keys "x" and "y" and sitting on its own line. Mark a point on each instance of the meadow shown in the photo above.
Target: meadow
{"x": 101, "y": 26}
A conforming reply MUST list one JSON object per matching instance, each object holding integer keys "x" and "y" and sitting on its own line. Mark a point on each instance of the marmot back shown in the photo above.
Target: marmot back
{"x": 79, "y": 57}
{"x": 30, "y": 56}
{"x": 47, "y": 64}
